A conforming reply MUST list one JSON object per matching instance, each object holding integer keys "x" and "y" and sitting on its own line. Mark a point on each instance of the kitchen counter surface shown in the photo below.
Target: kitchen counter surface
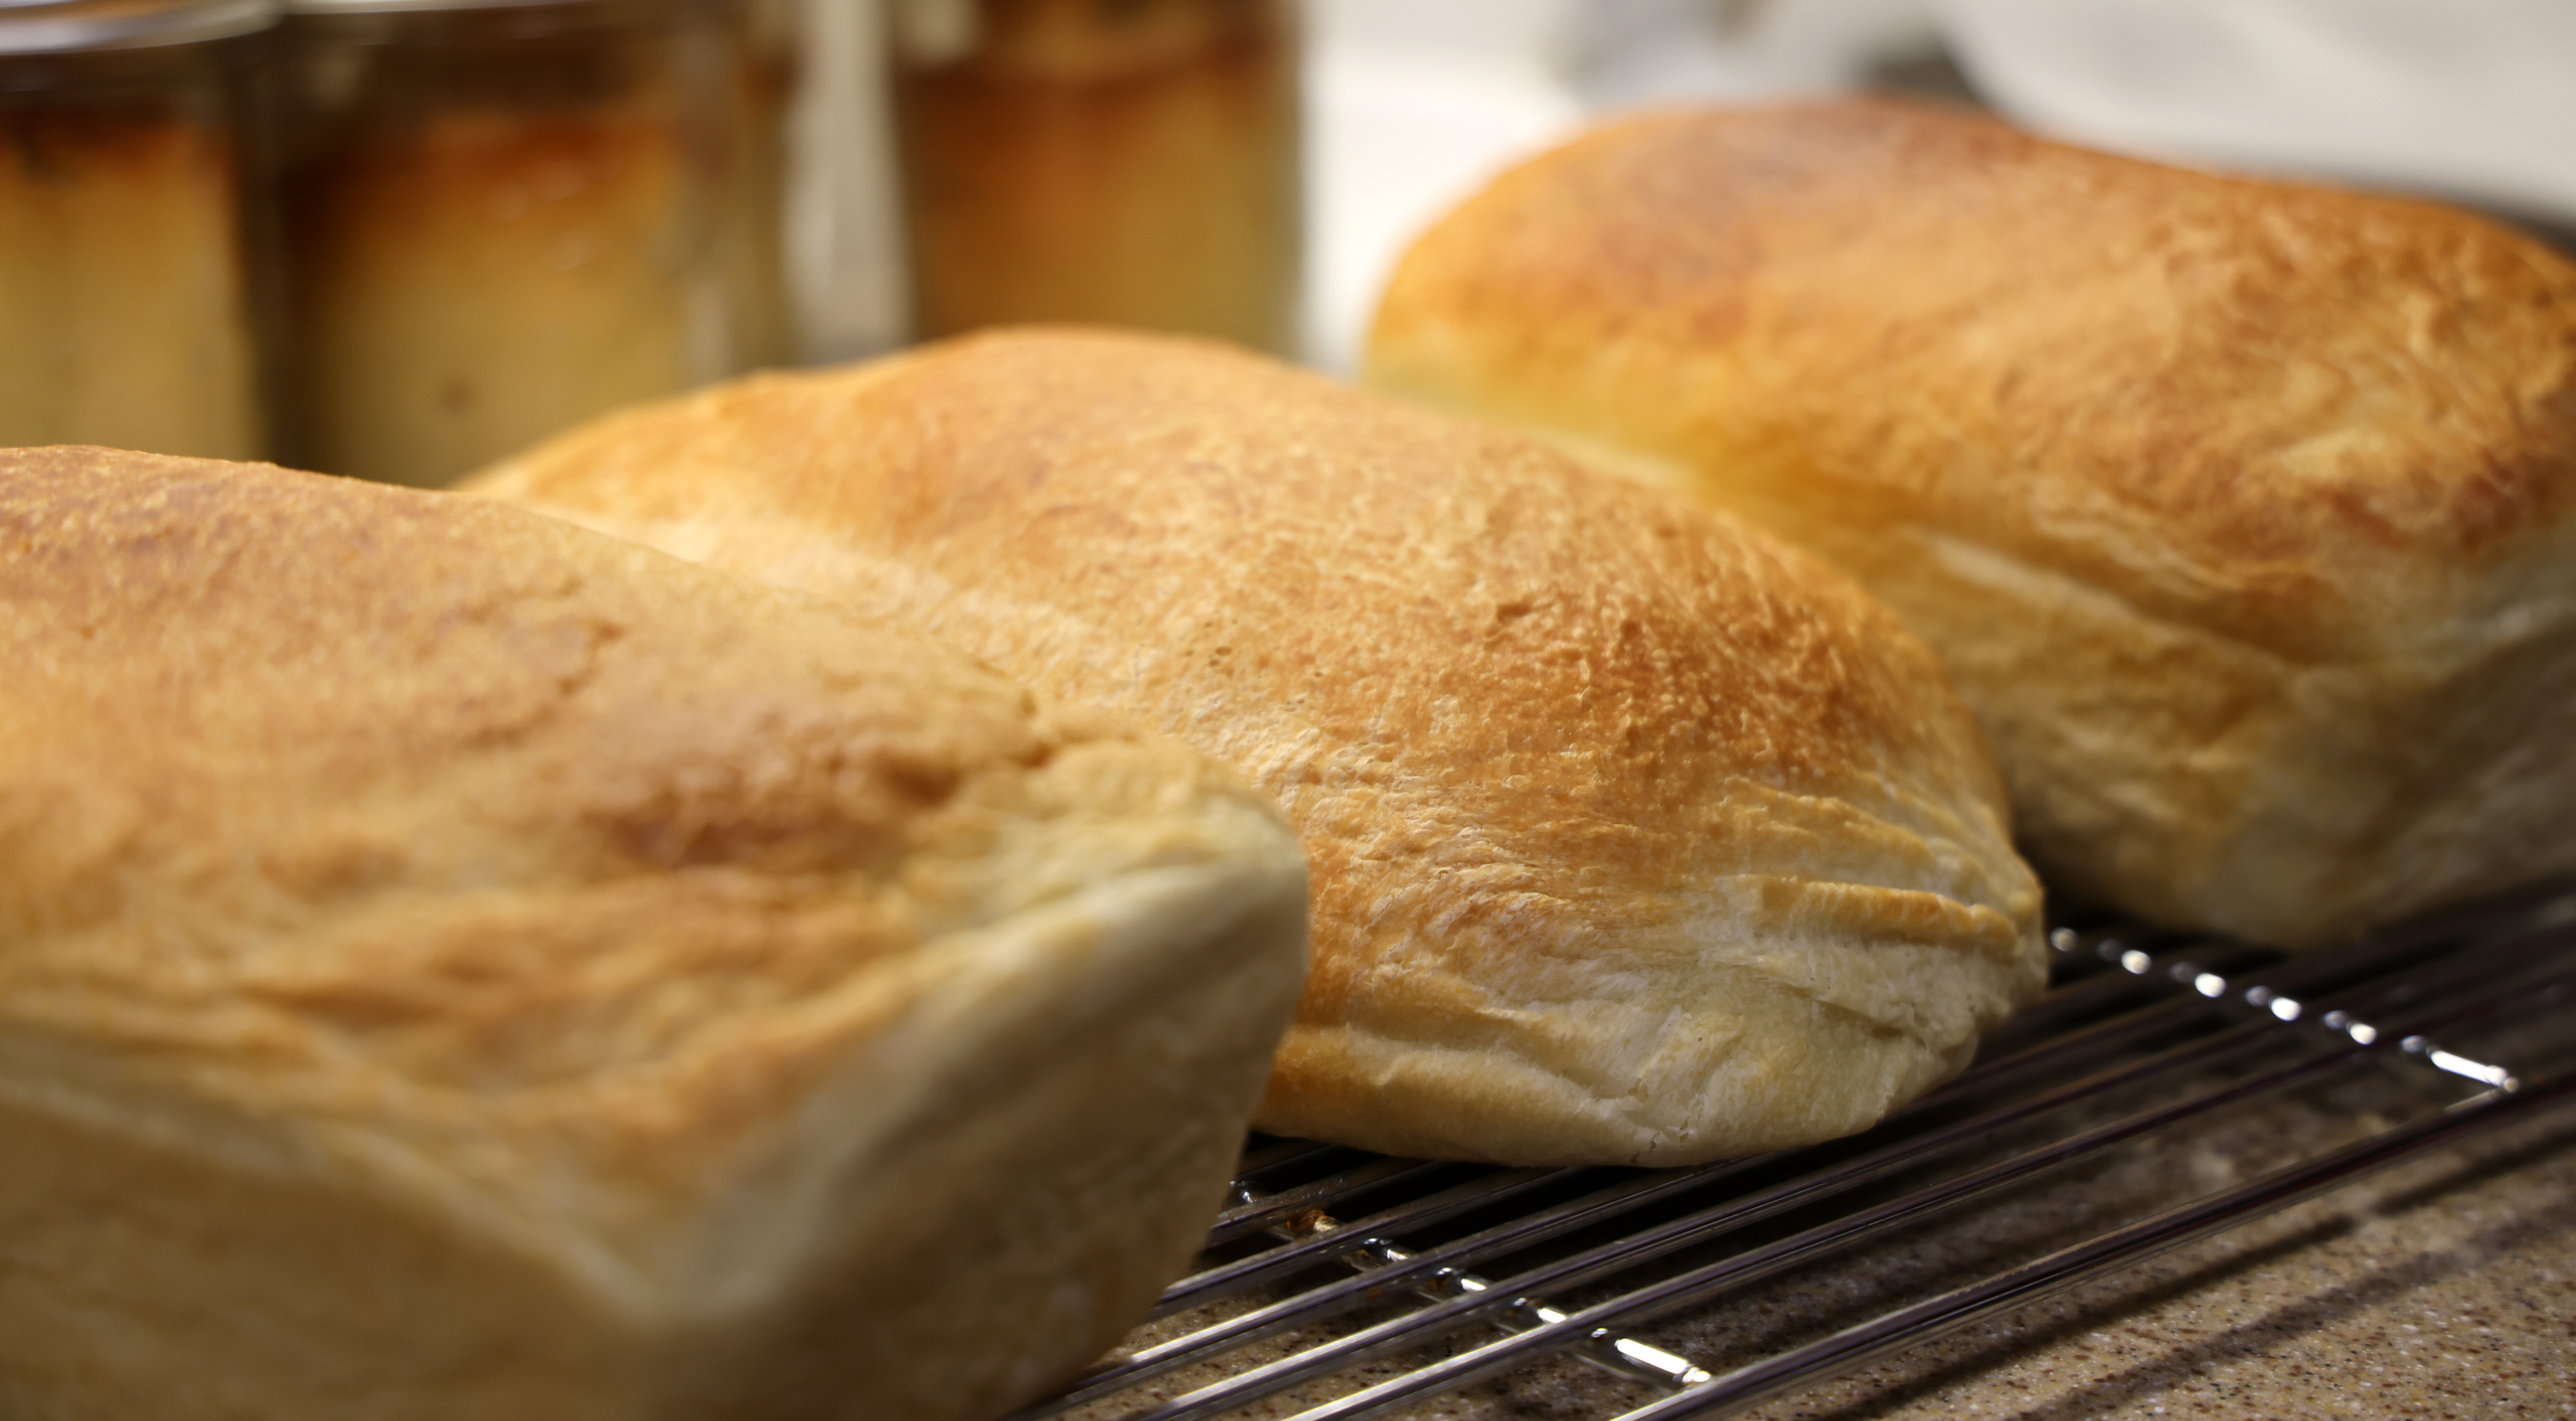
{"x": 2444, "y": 1287}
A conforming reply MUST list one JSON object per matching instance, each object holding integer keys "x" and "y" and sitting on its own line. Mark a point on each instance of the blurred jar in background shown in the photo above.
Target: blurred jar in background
{"x": 131, "y": 254}
{"x": 1133, "y": 162}
{"x": 504, "y": 217}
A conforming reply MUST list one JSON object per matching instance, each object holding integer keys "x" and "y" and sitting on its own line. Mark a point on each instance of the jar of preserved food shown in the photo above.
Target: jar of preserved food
{"x": 132, "y": 258}
{"x": 1133, "y": 162}
{"x": 501, "y": 218}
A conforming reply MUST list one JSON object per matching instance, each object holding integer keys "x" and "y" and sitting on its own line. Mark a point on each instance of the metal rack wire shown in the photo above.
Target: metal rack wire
{"x": 1380, "y": 1283}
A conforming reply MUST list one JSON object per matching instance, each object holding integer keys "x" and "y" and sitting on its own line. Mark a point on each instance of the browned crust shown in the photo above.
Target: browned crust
{"x": 2238, "y": 510}
{"x": 622, "y": 964}
{"x": 504, "y": 785}
{"x": 2288, "y": 415}
{"x": 1538, "y": 729}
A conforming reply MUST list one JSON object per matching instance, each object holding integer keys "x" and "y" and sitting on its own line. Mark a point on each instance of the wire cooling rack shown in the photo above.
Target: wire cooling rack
{"x": 1343, "y": 1285}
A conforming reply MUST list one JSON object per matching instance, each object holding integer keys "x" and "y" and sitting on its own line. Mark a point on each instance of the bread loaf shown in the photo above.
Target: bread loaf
{"x": 1635, "y": 836}
{"x": 2239, "y": 511}
{"x": 456, "y": 965}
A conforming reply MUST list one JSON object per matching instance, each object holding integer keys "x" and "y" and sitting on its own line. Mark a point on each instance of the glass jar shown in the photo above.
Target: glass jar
{"x": 503, "y": 218}
{"x": 132, "y": 260}
{"x": 1133, "y": 162}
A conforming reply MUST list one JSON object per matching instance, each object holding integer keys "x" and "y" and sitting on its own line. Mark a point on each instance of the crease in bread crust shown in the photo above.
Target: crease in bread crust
{"x": 2239, "y": 512}
{"x": 1567, "y": 760}
{"x": 452, "y": 963}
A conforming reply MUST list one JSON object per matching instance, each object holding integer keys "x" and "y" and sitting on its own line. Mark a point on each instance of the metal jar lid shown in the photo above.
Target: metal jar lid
{"x": 67, "y": 26}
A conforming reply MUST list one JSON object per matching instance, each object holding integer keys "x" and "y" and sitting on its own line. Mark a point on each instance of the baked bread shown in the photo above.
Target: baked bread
{"x": 1635, "y": 836}
{"x": 2239, "y": 511}
{"x": 455, "y": 965}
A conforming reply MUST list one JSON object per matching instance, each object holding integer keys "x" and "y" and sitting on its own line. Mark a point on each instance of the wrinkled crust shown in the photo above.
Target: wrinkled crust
{"x": 1736, "y": 1040}
{"x": 2285, "y": 802}
{"x": 1549, "y": 741}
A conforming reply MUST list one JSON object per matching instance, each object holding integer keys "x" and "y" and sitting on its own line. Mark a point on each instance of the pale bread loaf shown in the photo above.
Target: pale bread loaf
{"x": 456, "y": 965}
{"x": 1636, "y": 836}
{"x": 2239, "y": 511}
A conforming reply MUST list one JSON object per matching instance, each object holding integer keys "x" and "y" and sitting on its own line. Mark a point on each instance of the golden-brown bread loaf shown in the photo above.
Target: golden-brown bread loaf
{"x": 2239, "y": 511}
{"x": 1635, "y": 835}
{"x": 456, "y": 965}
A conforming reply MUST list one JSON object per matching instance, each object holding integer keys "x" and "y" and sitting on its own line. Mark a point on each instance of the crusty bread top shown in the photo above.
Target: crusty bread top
{"x": 2288, "y": 415}
{"x": 1572, "y": 760}
{"x": 475, "y": 857}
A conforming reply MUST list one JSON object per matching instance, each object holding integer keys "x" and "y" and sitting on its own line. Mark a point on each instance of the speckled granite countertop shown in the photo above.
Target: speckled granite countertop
{"x": 2442, "y": 1288}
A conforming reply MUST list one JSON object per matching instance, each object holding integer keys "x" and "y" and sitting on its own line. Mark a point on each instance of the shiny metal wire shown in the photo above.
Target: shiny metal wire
{"x": 2145, "y": 1033}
